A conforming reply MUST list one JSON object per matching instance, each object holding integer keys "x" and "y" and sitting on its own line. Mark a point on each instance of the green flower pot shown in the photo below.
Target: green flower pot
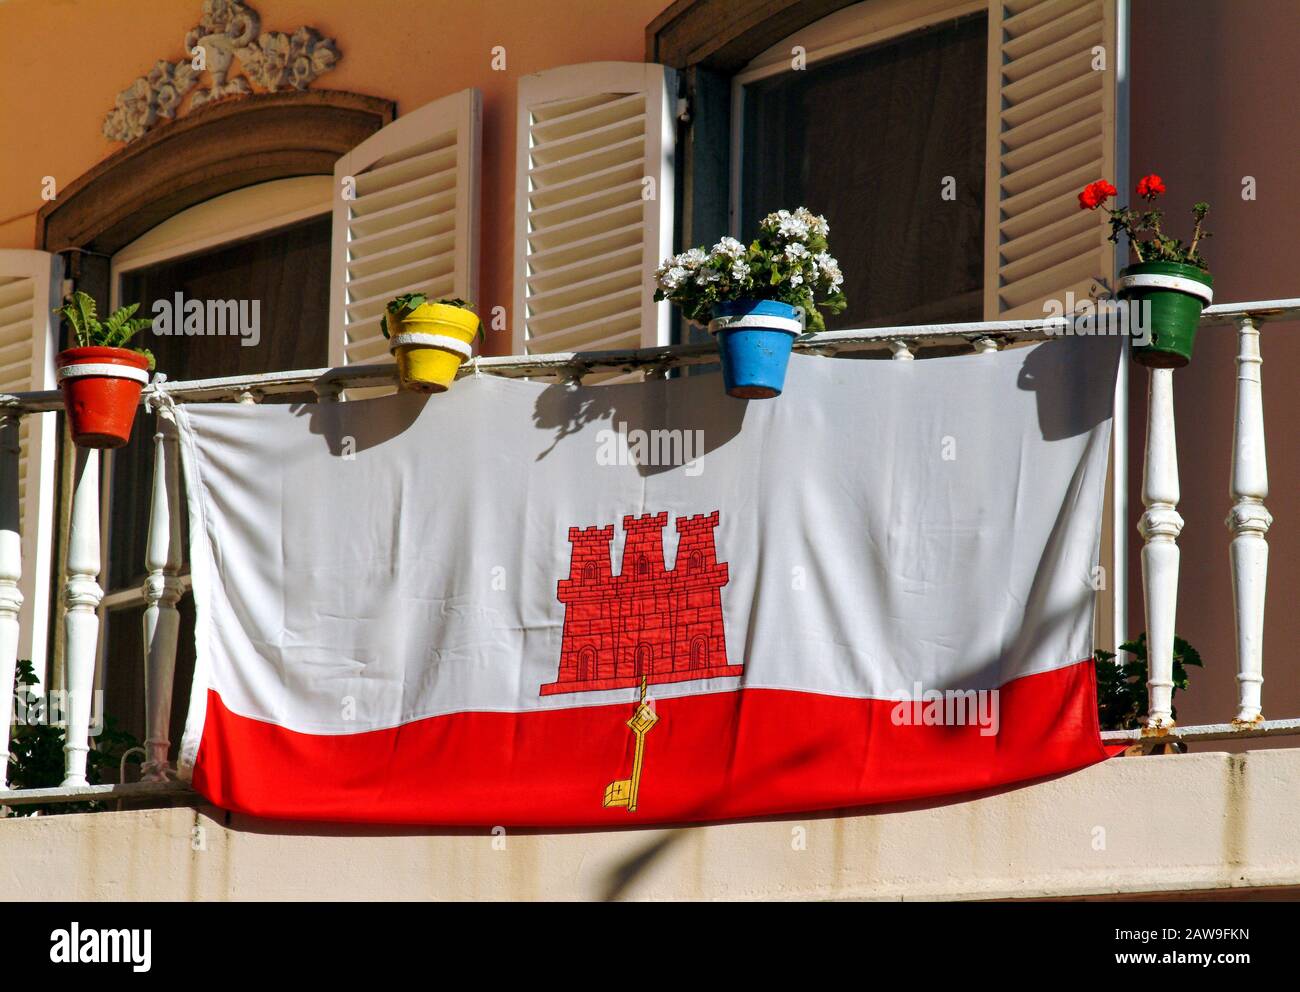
{"x": 1177, "y": 294}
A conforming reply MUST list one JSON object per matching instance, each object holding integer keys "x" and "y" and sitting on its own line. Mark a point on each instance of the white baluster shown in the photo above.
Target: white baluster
{"x": 11, "y": 600}
{"x": 1249, "y": 522}
{"x": 1160, "y": 526}
{"x": 162, "y": 590}
{"x": 902, "y": 350}
{"x": 80, "y": 620}
{"x": 327, "y": 391}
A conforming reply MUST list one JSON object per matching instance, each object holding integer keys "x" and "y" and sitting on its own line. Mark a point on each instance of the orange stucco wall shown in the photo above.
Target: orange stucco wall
{"x": 63, "y": 63}
{"x": 1213, "y": 101}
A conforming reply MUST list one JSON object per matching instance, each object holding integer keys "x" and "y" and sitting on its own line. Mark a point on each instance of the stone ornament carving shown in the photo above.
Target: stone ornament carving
{"x": 227, "y": 30}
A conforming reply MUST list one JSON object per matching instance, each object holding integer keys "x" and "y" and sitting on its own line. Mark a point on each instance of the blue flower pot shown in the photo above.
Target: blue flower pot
{"x": 754, "y": 339}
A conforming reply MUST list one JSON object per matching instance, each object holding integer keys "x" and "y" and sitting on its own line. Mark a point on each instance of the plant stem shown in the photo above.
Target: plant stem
{"x": 1160, "y": 235}
{"x": 1126, "y": 222}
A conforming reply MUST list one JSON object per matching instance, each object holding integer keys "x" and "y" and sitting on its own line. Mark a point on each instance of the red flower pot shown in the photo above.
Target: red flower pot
{"x": 101, "y": 389}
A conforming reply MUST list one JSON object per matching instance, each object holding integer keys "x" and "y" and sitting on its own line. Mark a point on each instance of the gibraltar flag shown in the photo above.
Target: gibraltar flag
{"x": 521, "y": 603}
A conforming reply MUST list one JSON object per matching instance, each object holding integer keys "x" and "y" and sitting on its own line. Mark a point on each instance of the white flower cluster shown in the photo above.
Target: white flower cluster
{"x": 788, "y": 261}
{"x": 729, "y": 248}
{"x": 796, "y": 226}
{"x": 679, "y": 270}
{"x": 828, "y": 270}
{"x": 701, "y": 268}
{"x": 792, "y": 230}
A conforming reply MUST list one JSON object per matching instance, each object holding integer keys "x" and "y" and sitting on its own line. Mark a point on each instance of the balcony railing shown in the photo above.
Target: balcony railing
{"x": 1160, "y": 524}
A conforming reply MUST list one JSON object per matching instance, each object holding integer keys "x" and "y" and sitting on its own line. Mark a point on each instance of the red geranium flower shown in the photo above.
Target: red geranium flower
{"x": 1095, "y": 194}
{"x": 1150, "y": 186}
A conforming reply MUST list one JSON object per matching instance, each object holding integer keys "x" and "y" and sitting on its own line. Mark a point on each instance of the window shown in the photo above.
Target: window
{"x": 587, "y": 669}
{"x": 854, "y": 85}
{"x": 888, "y": 141}
{"x": 699, "y": 652}
{"x": 269, "y": 244}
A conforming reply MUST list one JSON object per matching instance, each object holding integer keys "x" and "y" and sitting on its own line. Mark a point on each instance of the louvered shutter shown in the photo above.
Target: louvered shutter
{"x": 29, "y": 290}
{"x": 413, "y": 224}
{"x": 1051, "y": 130}
{"x": 593, "y": 206}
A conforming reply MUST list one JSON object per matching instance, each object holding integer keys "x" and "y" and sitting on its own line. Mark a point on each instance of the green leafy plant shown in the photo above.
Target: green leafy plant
{"x": 1122, "y": 689}
{"x": 406, "y": 304}
{"x": 120, "y": 327}
{"x": 36, "y": 751}
{"x": 789, "y": 262}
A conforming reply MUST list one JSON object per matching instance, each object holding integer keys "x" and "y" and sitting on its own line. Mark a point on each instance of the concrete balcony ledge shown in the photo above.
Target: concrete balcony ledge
{"x": 1212, "y": 825}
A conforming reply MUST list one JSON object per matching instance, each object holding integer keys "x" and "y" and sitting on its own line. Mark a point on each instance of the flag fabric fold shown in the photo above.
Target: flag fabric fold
{"x": 521, "y": 603}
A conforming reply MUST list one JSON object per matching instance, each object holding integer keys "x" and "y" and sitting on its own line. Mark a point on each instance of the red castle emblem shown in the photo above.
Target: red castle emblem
{"x": 648, "y": 622}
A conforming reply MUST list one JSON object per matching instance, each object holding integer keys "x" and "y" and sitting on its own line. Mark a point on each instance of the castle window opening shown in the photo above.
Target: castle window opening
{"x": 699, "y": 651}
{"x": 587, "y": 663}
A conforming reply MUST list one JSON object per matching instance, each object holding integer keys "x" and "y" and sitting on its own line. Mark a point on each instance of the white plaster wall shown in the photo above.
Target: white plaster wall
{"x": 1171, "y": 824}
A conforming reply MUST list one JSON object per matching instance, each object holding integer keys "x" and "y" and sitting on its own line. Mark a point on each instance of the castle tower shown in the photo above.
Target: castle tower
{"x": 643, "y": 548}
{"x": 699, "y": 636}
{"x": 587, "y": 651}
{"x": 645, "y": 639}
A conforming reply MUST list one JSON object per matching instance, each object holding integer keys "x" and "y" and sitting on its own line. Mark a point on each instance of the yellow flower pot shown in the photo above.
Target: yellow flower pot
{"x": 430, "y": 345}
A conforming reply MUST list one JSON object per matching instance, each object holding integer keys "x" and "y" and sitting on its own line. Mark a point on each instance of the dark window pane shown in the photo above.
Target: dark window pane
{"x": 866, "y": 140}
{"x": 287, "y": 271}
{"x": 123, "y": 678}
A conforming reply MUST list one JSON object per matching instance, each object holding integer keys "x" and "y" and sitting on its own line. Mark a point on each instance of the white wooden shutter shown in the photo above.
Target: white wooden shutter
{"x": 1051, "y": 130}
{"x": 30, "y": 288}
{"x": 413, "y": 224}
{"x": 593, "y": 206}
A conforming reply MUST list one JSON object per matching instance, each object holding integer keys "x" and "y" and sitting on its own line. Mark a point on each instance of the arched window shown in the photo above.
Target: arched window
{"x": 589, "y": 572}
{"x": 587, "y": 667}
{"x": 643, "y": 661}
{"x": 696, "y": 563}
{"x": 642, "y": 567}
{"x": 699, "y": 652}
